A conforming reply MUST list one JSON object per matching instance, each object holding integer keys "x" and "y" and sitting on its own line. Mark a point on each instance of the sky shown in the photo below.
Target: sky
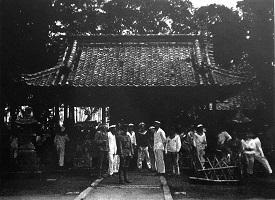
{"x": 228, "y": 3}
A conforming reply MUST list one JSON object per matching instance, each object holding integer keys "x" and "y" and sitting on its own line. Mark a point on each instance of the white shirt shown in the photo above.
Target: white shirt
{"x": 60, "y": 140}
{"x": 223, "y": 136}
{"x": 249, "y": 146}
{"x": 173, "y": 145}
{"x": 112, "y": 143}
{"x": 132, "y": 136}
{"x": 159, "y": 139}
{"x": 259, "y": 150}
{"x": 200, "y": 141}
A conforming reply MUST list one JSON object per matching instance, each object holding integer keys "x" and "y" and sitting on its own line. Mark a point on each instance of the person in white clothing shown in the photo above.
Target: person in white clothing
{"x": 172, "y": 148}
{"x": 200, "y": 142}
{"x": 223, "y": 143}
{"x": 60, "y": 140}
{"x": 159, "y": 144}
{"x": 259, "y": 155}
{"x": 223, "y": 138}
{"x": 249, "y": 148}
{"x": 132, "y": 135}
{"x": 252, "y": 150}
{"x": 112, "y": 149}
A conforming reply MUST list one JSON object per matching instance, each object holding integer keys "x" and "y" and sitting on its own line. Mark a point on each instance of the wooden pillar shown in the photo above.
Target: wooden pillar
{"x": 56, "y": 115}
{"x": 71, "y": 114}
{"x": 65, "y": 114}
{"x": 13, "y": 116}
{"x": 104, "y": 113}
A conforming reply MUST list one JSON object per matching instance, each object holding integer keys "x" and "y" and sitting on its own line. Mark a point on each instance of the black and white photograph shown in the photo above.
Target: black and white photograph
{"x": 137, "y": 99}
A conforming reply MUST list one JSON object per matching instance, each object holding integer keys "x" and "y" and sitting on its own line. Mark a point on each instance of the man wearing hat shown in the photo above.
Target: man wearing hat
{"x": 112, "y": 149}
{"x": 159, "y": 144}
{"x": 101, "y": 139}
{"x": 143, "y": 143}
{"x": 200, "y": 142}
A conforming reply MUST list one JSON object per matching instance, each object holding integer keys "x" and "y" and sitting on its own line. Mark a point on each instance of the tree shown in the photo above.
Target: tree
{"x": 223, "y": 26}
{"x": 25, "y": 35}
{"x": 146, "y": 17}
{"x": 76, "y": 16}
{"x": 258, "y": 22}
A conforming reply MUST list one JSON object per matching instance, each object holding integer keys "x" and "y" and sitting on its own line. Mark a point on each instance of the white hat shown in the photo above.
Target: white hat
{"x": 152, "y": 127}
{"x": 141, "y": 123}
{"x": 131, "y": 124}
{"x": 158, "y": 122}
{"x": 112, "y": 126}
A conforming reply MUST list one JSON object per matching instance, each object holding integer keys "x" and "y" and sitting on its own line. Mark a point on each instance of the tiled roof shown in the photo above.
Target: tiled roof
{"x": 154, "y": 60}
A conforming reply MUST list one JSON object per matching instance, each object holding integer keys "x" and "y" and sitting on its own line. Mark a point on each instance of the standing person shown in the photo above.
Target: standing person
{"x": 118, "y": 128}
{"x": 200, "y": 142}
{"x": 143, "y": 144}
{"x": 125, "y": 152}
{"x": 252, "y": 150}
{"x": 151, "y": 148}
{"x": 101, "y": 139}
{"x": 259, "y": 155}
{"x": 159, "y": 144}
{"x": 223, "y": 143}
{"x": 132, "y": 136}
{"x": 249, "y": 148}
{"x": 60, "y": 140}
{"x": 112, "y": 150}
{"x": 172, "y": 148}
{"x": 187, "y": 141}
{"x": 235, "y": 146}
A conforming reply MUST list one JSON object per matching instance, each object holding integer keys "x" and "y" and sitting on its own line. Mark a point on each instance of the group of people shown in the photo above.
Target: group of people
{"x": 118, "y": 144}
{"x": 149, "y": 145}
{"x": 250, "y": 146}
{"x": 231, "y": 147}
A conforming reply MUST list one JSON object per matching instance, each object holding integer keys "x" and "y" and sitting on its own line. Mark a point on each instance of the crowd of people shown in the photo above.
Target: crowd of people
{"x": 161, "y": 151}
{"x": 124, "y": 147}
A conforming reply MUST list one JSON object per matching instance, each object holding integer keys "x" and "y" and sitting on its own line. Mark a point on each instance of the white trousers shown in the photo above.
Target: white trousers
{"x": 61, "y": 152}
{"x": 143, "y": 153}
{"x": 160, "y": 166}
{"x": 112, "y": 163}
{"x": 116, "y": 163}
{"x": 249, "y": 159}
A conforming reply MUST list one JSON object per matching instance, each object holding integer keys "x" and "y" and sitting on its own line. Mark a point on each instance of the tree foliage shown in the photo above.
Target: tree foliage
{"x": 25, "y": 35}
{"x": 258, "y": 22}
{"x": 223, "y": 26}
